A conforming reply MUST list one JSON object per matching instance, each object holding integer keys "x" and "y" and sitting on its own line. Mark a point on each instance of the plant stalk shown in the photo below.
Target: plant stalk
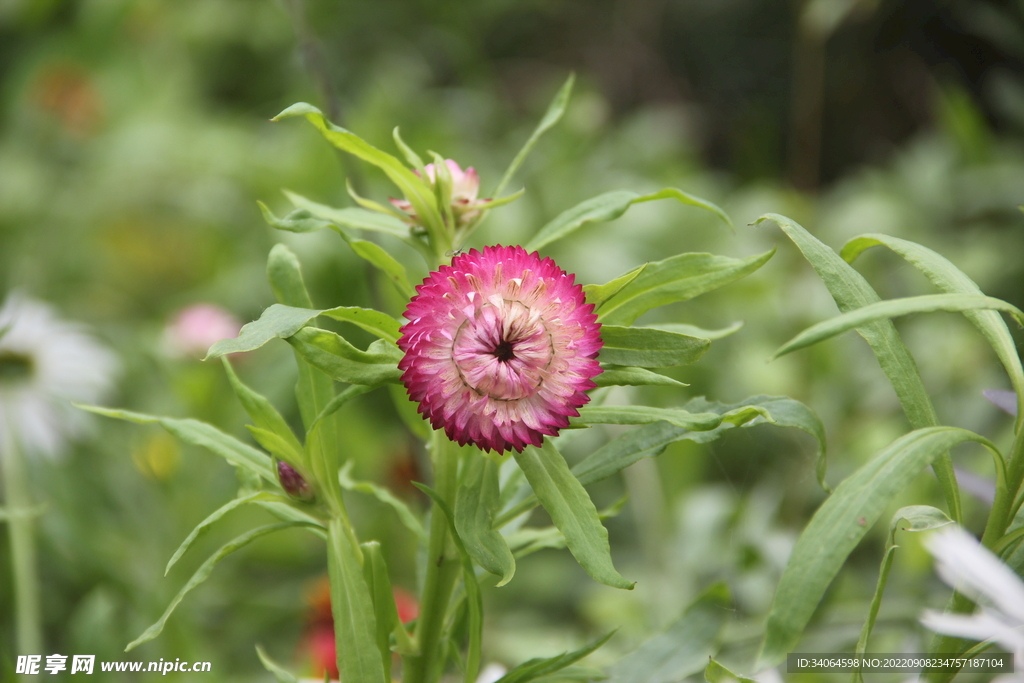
{"x": 443, "y": 571}
{"x": 20, "y": 521}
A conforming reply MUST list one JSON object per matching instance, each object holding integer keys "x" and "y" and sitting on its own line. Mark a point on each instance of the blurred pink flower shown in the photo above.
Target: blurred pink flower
{"x": 196, "y": 328}
{"x": 500, "y": 348}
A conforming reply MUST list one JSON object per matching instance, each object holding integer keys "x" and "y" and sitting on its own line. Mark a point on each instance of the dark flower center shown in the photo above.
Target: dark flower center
{"x": 504, "y": 351}
{"x": 14, "y": 367}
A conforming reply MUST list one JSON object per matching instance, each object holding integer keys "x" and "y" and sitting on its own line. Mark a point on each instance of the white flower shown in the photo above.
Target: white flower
{"x": 491, "y": 673}
{"x": 45, "y": 363}
{"x": 972, "y": 569}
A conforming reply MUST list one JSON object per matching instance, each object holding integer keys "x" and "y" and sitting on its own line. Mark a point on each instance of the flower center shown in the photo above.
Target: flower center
{"x": 15, "y": 368}
{"x": 503, "y": 350}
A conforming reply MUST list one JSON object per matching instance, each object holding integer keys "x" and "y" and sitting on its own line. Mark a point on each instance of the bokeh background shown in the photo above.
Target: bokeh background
{"x": 135, "y": 142}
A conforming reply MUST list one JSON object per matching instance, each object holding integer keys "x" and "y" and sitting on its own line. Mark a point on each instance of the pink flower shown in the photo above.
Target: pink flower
{"x": 499, "y": 348}
{"x": 465, "y": 185}
{"x": 198, "y": 327}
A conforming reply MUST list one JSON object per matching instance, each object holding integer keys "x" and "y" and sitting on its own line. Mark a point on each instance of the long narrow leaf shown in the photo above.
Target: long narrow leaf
{"x": 474, "y": 599}
{"x": 572, "y": 511}
{"x": 679, "y": 278}
{"x": 265, "y": 416}
{"x": 649, "y": 348}
{"x": 280, "y": 673}
{"x": 412, "y": 186}
{"x": 201, "y": 434}
{"x": 333, "y": 355}
{"x": 683, "y": 648}
{"x": 476, "y": 503}
{"x": 616, "y": 375}
{"x": 213, "y": 517}
{"x": 534, "y": 669}
{"x": 355, "y": 219}
{"x": 203, "y": 573}
{"x": 355, "y": 623}
{"x": 838, "y": 526}
{"x": 893, "y": 308}
{"x": 947, "y": 277}
{"x": 607, "y": 207}
{"x": 384, "y": 496}
{"x": 850, "y": 291}
{"x": 550, "y": 118}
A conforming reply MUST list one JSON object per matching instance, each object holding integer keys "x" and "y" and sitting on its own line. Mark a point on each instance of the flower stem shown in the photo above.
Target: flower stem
{"x": 443, "y": 569}
{"x": 20, "y": 521}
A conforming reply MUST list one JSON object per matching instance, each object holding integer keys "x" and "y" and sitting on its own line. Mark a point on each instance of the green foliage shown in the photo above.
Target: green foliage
{"x": 683, "y": 648}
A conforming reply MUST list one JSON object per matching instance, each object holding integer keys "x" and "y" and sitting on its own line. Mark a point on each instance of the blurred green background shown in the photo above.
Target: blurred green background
{"x": 135, "y": 142}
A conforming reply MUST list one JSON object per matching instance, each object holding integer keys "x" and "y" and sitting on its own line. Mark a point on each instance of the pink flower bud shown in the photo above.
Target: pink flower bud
{"x": 196, "y": 328}
{"x": 292, "y": 482}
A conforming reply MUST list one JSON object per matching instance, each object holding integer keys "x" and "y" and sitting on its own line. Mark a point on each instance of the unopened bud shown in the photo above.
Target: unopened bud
{"x": 292, "y": 482}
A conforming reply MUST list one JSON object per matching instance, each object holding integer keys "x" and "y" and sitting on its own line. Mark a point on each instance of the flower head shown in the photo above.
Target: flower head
{"x": 465, "y": 206}
{"x": 500, "y": 348}
{"x": 46, "y": 362}
{"x": 972, "y": 569}
{"x": 196, "y": 328}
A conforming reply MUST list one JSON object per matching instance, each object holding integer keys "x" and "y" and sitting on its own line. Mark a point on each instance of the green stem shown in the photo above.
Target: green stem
{"x": 20, "y": 521}
{"x": 443, "y": 570}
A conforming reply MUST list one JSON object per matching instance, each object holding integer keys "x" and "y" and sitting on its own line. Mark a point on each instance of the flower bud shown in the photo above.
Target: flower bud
{"x": 465, "y": 185}
{"x": 293, "y": 483}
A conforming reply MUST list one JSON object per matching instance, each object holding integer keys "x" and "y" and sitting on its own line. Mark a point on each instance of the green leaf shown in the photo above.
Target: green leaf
{"x": 683, "y": 648}
{"x": 280, "y": 673}
{"x": 840, "y": 523}
{"x": 411, "y": 157}
{"x": 285, "y": 275}
{"x": 650, "y": 440}
{"x": 609, "y": 206}
{"x": 333, "y": 355}
{"x": 203, "y": 573}
{"x": 476, "y": 503}
{"x": 850, "y": 291}
{"x": 386, "y": 263}
{"x": 920, "y": 518}
{"x": 266, "y": 417}
{"x": 280, "y": 322}
{"x": 533, "y": 669}
{"x": 201, "y": 434}
{"x": 679, "y": 278}
{"x": 351, "y": 218}
{"x": 892, "y": 308}
{"x": 572, "y": 511}
{"x": 639, "y": 415}
{"x": 338, "y": 401}
{"x": 694, "y": 331}
{"x": 716, "y": 673}
{"x": 598, "y": 294}
{"x": 376, "y": 573}
{"x": 616, "y": 375}
{"x": 355, "y": 623}
{"x": 373, "y": 321}
{"x": 416, "y": 189}
{"x": 947, "y": 277}
{"x": 213, "y": 517}
{"x": 276, "y": 322}
{"x": 649, "y": 348}
{"x": 550, "y": 118}
{"x": 298, "y": 221}
{"x": 383, "y": 495}
{"x": 531, "y": 539}
{"x": 474, "y": 599}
